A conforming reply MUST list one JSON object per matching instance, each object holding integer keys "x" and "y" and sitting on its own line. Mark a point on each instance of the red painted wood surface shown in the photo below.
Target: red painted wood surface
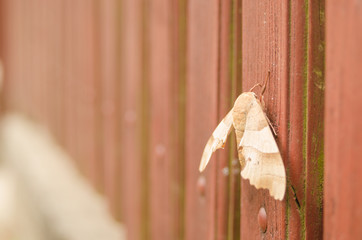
{"x": 265, "y": 48}
{"x": 315, "y": 121}
{"x": 165, "y": 168}
{"x": 224, "y": 203}
{"x": 70, "y": 102}
{"x": 133, "y": 120}
{"x": 133, "y": 89}
{"x": 343, "y": 212}
{"x": 306, "y": 119}
{"x": 201, "y": 116}
{"x": 294, "y": 55}
{"x": 87, "y": 57}
{"x": 160, "y": 209}
{"x": 109, "y": 91}
{"x": 298, "y": 79}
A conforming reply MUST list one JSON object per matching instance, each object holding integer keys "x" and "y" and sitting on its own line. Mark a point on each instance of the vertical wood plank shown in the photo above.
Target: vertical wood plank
{"x": 315, "y": 121}
{"x": 178, "y": 115}
{"x": 164, "y": 195}
{"x": 70, "y": 82}
{"x": 225, "y": 206}
{"x": 87, "y": 70}
{"x": 2, "y": 54}
{"x": 343, "y": 135}
{"x": 56, "y": 57}
{"x": 296, "y": 165}
{"x": 306, "y": 119}
{"x": 77, "y": 86}
{"x": 265, "y": 48}
{"x": 201, "y": 116}
{"x": 134, "y": 179}
{"x": 14, "y": 55}
{"x": 236, "y": 78}
{"x": 109, "y": 110}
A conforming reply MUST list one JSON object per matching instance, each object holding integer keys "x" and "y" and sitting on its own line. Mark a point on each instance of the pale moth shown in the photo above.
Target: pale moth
{"x": 258, "y": 152}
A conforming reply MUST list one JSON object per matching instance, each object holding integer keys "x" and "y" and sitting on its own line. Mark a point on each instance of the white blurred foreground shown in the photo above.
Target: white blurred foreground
{"x": 42, "y": 196}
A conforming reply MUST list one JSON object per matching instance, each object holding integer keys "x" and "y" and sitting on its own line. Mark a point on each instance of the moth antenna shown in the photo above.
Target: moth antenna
{"x": 265, "y": 83}
{"x": 256, "y": 85}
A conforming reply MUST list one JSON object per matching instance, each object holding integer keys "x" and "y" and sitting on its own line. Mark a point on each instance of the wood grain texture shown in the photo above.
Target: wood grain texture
{"x": 71, "y": 130}
{"x": 178, "y": 117}
{"x": 264, "y": 48}
{"x": 90, "y": 94}
{"x": 163, "y": 169}
{"x": 343, "y": 135}
{"x": 225, "y": 202}
{"x": 315, "y": 121}
{"x": 236, "y": 82}
{"x": 133, "y": 167}
{"x": 296, "y": 164}
{"x": 201, "y": 115}
{"x": 108, "y": 16}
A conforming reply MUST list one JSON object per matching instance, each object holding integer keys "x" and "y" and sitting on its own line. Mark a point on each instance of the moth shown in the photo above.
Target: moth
{"x": 258, "y": 152}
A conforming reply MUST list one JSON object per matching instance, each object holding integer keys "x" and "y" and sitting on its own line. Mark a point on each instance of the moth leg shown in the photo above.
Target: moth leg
{"x": 271, "y": 125}
{"x": 265, "y": 83}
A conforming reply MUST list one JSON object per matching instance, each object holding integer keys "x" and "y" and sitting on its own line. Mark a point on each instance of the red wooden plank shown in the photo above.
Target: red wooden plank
{"x": 225, "y": 171}
{"x": 166, "y": 51}
{"x": 178, "y": 86}
{"x": 36, "y": 44}
{"x": 47, "y": 36}
{"x": 201, "y": 116}
{"x": 96, "y": 104}
{"x": 2, "y": 54}
{"x": 15, "y": 54}
{"x": 87, "y": 77}
{"x": 163, "y": 199}
{"x": 56, "y": 58}
{"x": 236, "y": 74}
{"x": 71, "y": 129}
{"x": 26, "y": 40}
{"x": 133, "y": 174}
{"x": 109, "y": 103}
{"x": 343, "y": 135}
{"x": 297, "y": 125}
{"x": 265, "y": 48}
{"x": 315, "y": 122}
{"x": 60, "y": 71}
{"x": 76, "y": 44}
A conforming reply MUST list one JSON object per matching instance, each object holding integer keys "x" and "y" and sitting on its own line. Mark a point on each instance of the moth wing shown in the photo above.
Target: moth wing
{"x": 263, "y": 163}
{"x": 217, "y": 139}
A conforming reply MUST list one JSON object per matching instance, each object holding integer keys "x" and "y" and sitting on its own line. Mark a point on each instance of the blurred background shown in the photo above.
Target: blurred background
{"x": 106, "y": 107}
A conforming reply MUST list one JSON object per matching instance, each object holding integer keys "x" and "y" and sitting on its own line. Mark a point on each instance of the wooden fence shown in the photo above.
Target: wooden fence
{"x": 132, "y": 90}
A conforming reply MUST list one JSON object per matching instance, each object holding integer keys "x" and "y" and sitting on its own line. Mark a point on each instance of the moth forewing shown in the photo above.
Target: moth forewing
{"x": 217, "y": 140}
{"x": 262, "y": 140}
